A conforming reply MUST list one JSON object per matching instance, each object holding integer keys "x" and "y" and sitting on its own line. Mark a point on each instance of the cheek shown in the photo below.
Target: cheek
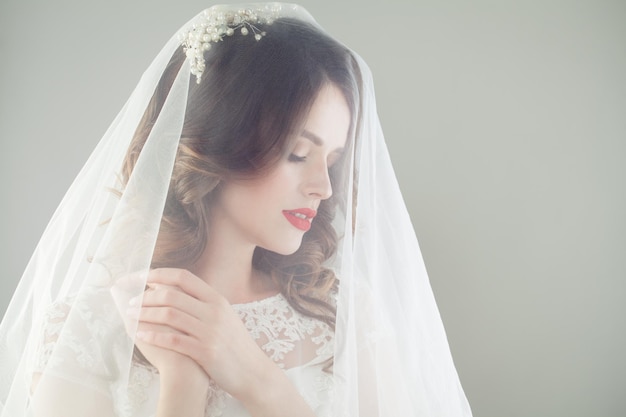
{"x": 258, "y": 196}
{"x": 280, "y": 182}
{"x": 270, "y": 190}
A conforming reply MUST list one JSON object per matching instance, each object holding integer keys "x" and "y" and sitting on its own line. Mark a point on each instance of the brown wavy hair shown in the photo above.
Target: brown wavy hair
{"x": 240, "y": 120}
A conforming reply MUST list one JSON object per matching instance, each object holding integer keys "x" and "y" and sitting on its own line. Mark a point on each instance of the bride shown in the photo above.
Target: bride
{"x": 236, "y": 245}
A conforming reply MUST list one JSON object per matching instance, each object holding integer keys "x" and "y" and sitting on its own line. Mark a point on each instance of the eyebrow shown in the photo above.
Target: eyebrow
{"x": 312, "y": 137}
{"x": 317, "y": 140}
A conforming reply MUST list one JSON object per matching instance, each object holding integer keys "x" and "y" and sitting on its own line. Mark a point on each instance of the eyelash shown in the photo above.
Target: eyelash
{"x": 296, "y": 158}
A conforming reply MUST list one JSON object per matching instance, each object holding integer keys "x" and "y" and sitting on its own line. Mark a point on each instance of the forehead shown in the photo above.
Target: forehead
{"x": 328, "y": 121}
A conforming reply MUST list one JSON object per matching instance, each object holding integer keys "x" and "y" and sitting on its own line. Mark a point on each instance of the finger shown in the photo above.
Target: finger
{"x": 149, "y": 288}
{"x": 159, "y": 294}
{"x": 186, "y": 281}
{"x": 125, "y": 289}
{"x": 168, "y": 296}
{"x": 152, "y": 327}
{"x": 177, "y": 342}
{"x": 149, "y": 327}
{"x": 171, "y": 318}
{"x": 131, "y": 281}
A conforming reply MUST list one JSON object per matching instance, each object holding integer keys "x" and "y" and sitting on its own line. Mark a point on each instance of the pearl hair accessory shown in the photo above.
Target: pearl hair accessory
{"x": 215, "y": 23}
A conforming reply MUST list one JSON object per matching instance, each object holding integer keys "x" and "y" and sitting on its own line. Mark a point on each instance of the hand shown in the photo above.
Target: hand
{"x": 173, "y": 364}
{"x": 181, "y": 315}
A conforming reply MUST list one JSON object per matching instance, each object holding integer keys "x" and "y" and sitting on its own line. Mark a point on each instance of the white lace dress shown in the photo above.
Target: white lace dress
{"x": 298, "y": 344}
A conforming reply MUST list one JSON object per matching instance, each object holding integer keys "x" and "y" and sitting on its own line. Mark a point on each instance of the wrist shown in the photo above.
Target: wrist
{"x": 173, "y": 381}
{"x": 269, "y": 388}
{"x": 182, "y": 395}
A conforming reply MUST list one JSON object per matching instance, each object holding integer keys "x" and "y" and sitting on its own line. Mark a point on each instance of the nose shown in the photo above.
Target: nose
{"x": 317, "y": 184}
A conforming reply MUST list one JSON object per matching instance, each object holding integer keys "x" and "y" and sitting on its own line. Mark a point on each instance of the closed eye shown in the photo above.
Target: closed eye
{"x": 296, "y": 158}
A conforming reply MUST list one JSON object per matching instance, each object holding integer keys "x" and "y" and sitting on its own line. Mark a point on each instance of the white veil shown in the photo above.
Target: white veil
{"x": 391, "y": 356}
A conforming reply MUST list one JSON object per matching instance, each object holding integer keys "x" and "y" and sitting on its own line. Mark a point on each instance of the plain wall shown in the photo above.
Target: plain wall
{"x": 506, "y": 123}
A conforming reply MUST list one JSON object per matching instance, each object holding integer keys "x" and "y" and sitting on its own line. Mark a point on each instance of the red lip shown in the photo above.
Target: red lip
{"x": 299, "y": 222}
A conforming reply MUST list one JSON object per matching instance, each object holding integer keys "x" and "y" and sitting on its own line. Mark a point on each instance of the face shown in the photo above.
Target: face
{"x": 275, "y": 210}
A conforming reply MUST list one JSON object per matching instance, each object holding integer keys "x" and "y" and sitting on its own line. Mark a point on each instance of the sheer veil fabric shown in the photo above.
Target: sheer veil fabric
{"x": 68, "y": 349}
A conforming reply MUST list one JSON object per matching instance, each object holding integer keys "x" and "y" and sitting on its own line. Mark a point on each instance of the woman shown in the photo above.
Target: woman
{"x": 236, "y": 245}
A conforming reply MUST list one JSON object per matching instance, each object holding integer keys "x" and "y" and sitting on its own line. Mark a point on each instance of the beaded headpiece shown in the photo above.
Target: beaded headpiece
{"x": 215, "y": 23}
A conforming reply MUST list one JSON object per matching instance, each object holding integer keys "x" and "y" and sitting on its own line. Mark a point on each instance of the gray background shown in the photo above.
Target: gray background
{"x": 506, "y": 122}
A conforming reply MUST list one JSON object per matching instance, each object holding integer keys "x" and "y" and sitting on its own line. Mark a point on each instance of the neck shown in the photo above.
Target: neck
{"x": 226, "y": 265}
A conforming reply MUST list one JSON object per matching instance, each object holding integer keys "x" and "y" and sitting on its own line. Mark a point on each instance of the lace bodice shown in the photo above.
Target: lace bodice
{"x": 279, "y": 330}
{"x": 298, "y": 344}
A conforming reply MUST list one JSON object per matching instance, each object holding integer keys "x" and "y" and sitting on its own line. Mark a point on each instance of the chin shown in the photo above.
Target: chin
{"x": 286, "y": 249}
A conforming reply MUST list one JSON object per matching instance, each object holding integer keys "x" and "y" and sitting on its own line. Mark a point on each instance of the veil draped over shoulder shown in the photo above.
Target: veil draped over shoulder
{"x": 66, "y": 347}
